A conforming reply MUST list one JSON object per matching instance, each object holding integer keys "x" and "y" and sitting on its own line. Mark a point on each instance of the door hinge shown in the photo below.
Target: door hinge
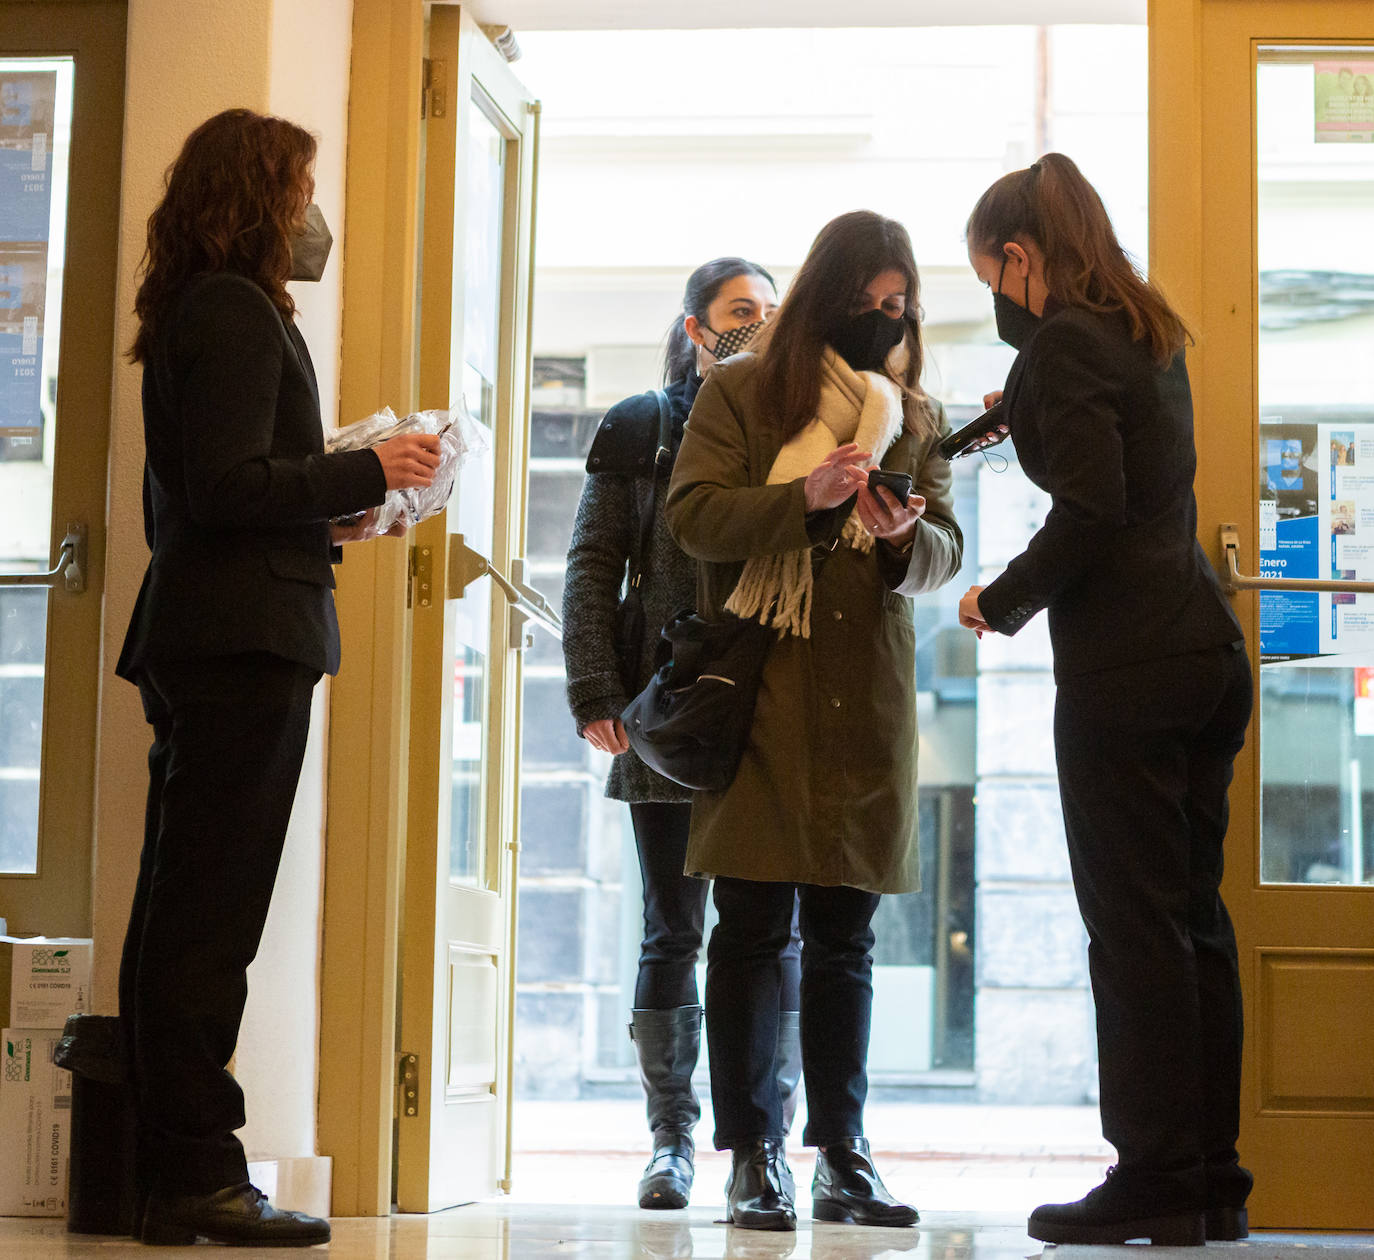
{"x": 420, "y": 593}
{"x": 408, "y": 1078}
{"x": 433, "y": 88}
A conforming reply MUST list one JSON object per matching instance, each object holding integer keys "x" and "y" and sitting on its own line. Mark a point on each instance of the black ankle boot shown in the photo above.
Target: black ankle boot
{"x": 1164, "y": 1208}
{"x": 847, "y": 1188}
{"x": 1228, "y": 1186}
{"x": 787, "y": 1065}
{"x": 668, "y": 1044}
{"x": 756, "y": 1192}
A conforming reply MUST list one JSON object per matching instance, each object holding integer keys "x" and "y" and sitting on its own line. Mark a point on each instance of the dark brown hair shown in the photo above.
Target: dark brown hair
{"x": 1052, "y": 205}
{"x": 846, "y": 255}
{"x": 233, "y": 199}
{"x": 703, "y": 286}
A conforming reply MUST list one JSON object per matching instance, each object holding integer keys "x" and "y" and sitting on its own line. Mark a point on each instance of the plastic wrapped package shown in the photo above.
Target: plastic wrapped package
{"x": 458, "y": 437}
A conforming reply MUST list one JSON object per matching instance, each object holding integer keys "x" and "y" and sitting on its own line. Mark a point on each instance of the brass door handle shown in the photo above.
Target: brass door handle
{"x": 70, "y": 569}
{"x": 1238, "y": 581}
{"x": 465, "y": 566}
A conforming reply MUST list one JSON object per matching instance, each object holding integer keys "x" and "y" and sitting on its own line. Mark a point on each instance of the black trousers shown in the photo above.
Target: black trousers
{"x": 675, "y": 912}
{"x": 743, "y": 990}
{"x": 1145, "y": 755}
{"x": 229, "y": 739}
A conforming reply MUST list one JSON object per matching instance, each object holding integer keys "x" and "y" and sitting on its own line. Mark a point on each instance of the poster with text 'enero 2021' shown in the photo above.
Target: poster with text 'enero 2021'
{"x": 28, "y": 102}
{"x": 1316, "y": 521}
{"x": 1344, "y": 101}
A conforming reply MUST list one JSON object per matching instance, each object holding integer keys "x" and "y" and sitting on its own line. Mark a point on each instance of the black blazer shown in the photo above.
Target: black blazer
{"x": 1109, "y": 435}
{"x": 237, "y": 489}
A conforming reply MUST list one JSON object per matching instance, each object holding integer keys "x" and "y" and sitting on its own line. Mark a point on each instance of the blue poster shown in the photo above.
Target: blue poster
{"x": 28, "y": 100}
{"x": 1289, "y": 533}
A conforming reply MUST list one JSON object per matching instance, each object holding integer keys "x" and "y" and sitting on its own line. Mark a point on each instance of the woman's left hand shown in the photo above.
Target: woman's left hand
{"x": 884, "y": 517}
{"x": 970, "y": 615}
{"x": 363, "y": 529}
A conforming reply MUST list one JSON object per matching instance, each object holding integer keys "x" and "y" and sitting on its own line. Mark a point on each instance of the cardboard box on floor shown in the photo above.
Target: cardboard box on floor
{"x": 35, "y": 1124}
{"x": 43, "y": 980}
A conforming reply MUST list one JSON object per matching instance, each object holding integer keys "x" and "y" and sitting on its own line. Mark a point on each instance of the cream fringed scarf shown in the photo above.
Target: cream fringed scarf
{"x": 862, "y": 407}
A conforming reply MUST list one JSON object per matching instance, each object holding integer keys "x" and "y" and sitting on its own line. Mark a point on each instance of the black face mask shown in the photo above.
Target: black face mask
{"x": 1015, "y": 324}
{"x": 864, "y": 342}
{"x": 310, "y": 246}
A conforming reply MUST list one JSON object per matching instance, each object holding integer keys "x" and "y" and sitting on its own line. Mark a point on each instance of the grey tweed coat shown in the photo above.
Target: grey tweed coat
{"x": 604, "y": 535}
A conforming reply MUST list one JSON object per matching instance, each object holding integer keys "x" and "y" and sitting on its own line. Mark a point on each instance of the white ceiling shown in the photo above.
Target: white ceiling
{"x": 561, "y": 15}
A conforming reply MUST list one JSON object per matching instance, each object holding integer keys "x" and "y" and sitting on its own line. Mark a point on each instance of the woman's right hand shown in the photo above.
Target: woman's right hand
{"x": 836, "y": 477}
{"x": 608, "y": 735}
{"x": 409, "y": 461}
{"x": 990, "y": 400}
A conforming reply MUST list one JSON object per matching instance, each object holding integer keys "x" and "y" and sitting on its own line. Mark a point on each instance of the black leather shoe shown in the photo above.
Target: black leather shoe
{"x": 847, "y": 1188}
{"x": 757, "y": 1194}
{"x": 238, "y": 1215}
{"x": 1127, "y": 1205}
{"x": 667, "y": 1180}
{"x": 1228, "y": 1186}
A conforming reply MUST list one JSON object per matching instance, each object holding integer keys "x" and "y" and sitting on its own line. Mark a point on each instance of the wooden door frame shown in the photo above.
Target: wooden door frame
{"x": 1217, "y": 292}
{"x": 366, "y": 795}
{"x": 57, "y": 900}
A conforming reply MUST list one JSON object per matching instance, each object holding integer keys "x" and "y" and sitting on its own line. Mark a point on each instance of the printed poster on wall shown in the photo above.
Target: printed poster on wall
{"x": 1345, "y": 101}
{"x": 1316, "y": 521}
{"x": 28, "y": 102}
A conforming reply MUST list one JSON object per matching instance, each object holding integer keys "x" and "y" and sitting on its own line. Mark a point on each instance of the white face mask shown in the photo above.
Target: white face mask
{"x": 310, "y": 246}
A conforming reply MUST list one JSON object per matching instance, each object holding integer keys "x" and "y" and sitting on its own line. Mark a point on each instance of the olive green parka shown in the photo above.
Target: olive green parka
{"x": 826, "y": 790}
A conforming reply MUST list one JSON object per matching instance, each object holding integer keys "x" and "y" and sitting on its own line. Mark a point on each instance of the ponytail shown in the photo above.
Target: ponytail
{"x": 1053, "y": 205}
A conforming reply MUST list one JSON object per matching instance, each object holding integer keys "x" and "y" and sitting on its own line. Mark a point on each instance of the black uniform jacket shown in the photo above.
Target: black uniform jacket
{"x": 237, "y": 489}
{"x": 1109, "y": 435}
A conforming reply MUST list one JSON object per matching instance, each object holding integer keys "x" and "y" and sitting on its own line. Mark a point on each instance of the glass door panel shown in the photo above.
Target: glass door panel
{"x": 35, "y": 140}
{"x": 473, "y": 513}
{"x": 1315, "y": 173}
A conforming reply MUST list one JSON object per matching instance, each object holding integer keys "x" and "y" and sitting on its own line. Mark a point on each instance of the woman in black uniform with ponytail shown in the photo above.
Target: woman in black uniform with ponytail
{"x": 1154, "y": 695}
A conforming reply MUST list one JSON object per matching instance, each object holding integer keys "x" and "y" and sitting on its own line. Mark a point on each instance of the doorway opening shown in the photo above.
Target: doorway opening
{"x": 660, "y": 150}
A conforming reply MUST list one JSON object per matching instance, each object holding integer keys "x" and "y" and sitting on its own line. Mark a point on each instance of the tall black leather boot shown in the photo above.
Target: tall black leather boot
{"x": 787, "y": 1065}
{"x": 668, "y": 1044}
{"x": 100, "y": 1193}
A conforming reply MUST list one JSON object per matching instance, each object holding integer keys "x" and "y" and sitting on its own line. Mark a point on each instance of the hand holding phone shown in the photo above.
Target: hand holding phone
{"x": 987, "y": 430}
{"x": 897, "y": 483}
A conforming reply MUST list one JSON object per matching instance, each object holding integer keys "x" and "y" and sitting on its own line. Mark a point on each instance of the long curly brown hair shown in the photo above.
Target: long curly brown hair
{"x": 234, "y": 198}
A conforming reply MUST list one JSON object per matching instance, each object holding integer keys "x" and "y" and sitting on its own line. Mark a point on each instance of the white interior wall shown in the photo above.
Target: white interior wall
{"x": 288, "y": 57}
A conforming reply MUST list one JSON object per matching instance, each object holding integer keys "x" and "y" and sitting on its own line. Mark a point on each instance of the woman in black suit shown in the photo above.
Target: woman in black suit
{"x": 1154, "y": 695}
{"x": 233, "y": 627}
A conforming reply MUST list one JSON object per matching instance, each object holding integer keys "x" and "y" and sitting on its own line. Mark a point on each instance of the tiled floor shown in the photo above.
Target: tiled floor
{"x": 517, "y": 1231}
{"x": 974, "y": 1173}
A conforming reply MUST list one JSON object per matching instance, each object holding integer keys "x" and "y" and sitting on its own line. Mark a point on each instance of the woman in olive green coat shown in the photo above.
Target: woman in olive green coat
{"x": 770, "y": 493}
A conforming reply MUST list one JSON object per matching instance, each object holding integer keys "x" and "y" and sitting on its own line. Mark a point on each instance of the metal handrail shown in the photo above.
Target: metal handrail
{"x": 70, "y": 569}
{"x": 1238, "y": 581}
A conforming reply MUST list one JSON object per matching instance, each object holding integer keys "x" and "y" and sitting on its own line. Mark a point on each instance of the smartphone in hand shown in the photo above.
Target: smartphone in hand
{"x": 899, "y": 483}
{"x": 978, "y": 434}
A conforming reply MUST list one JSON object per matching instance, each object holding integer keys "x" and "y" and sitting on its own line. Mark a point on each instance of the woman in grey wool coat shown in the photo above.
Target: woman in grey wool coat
{"x": 726, "y": 301}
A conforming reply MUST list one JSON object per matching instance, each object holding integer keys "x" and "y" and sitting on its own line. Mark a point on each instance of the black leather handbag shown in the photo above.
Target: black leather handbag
{"x": 627, "y": 626}
{"x": 691, "y": 722}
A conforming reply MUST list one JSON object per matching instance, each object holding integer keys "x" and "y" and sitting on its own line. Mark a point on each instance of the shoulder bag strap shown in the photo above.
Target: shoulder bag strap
{"x": 663, "y": 457}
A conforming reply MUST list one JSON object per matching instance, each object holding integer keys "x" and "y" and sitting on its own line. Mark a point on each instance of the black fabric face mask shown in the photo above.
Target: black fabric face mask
{"x": 865, "y": 341}
{"x": 1015, "y": 324}
{"x": 310, "y": 246}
